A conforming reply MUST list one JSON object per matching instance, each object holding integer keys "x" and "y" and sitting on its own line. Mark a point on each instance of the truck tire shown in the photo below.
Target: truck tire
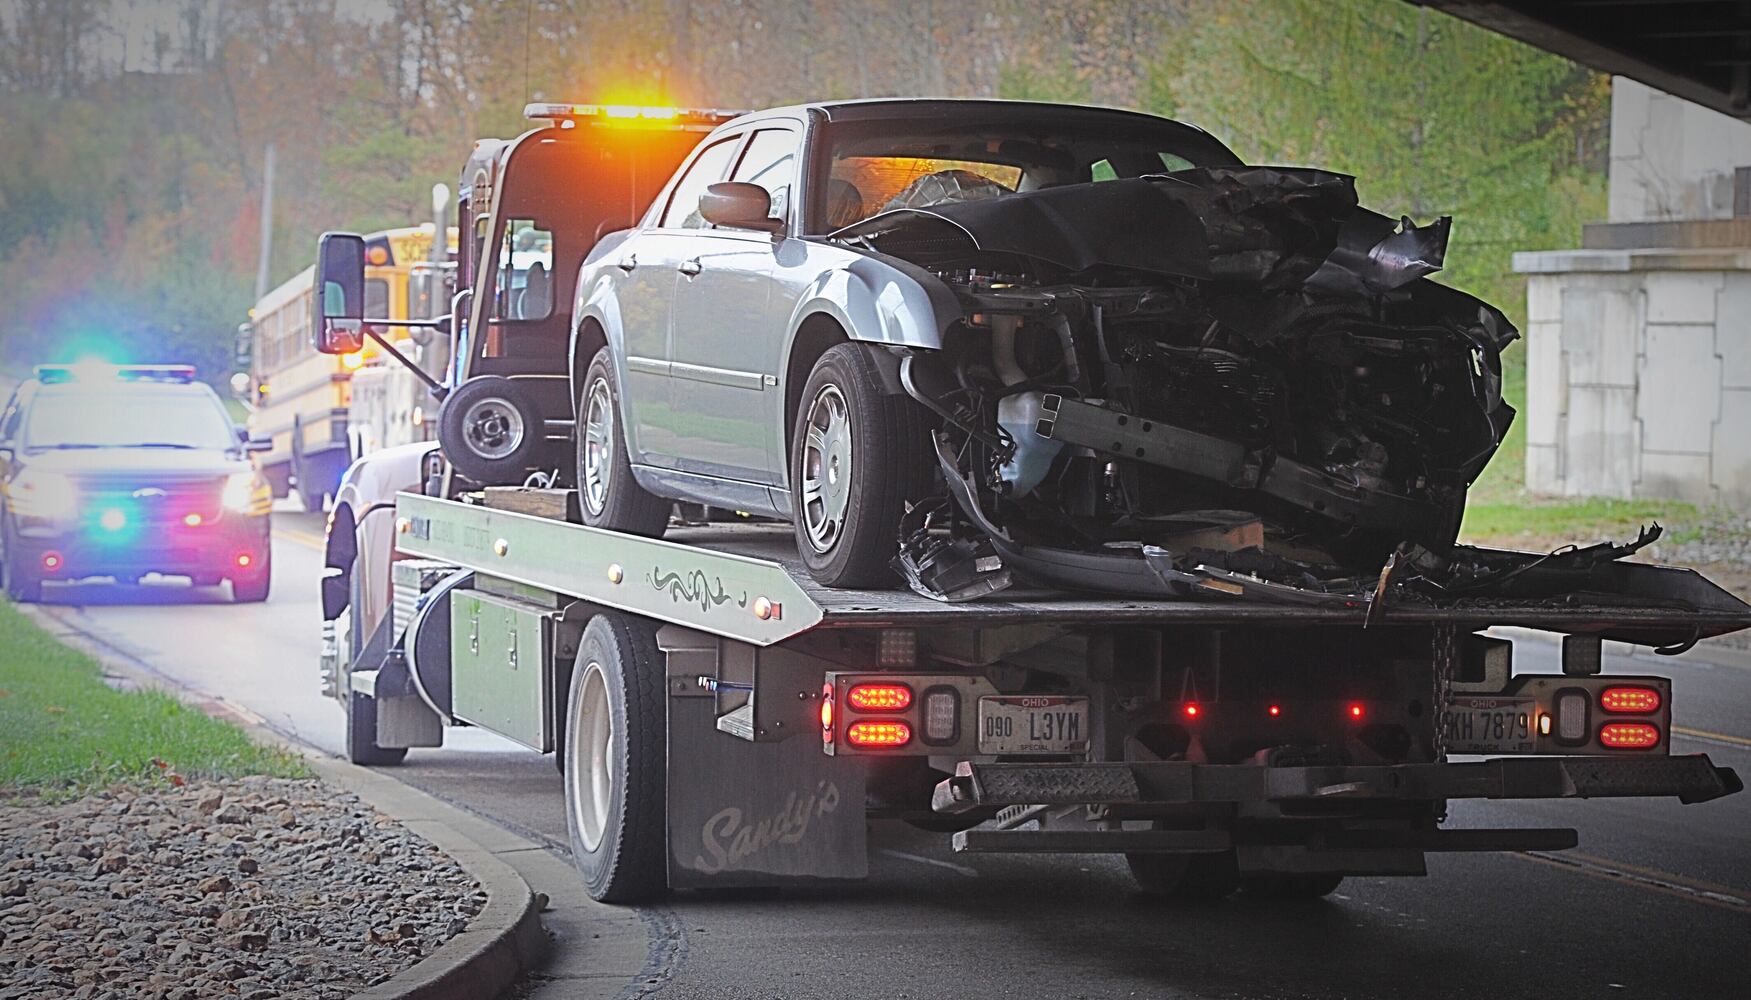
{"x": 253, "y": 589}
{"x": 1299, "y": 885}
{"x": 1189, "y": 877}
{"x": 23, "y": 585}
{"x": 616, "y": 760}
{"x": 490, "y": 430}
{"x": 362, "y": 745}
{"x": 857, "y": 456}
{"x": 608, "y": 496}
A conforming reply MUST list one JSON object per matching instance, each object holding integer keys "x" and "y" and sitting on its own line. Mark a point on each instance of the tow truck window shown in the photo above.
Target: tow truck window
{"x": 523, "y": 289}
{"x": 707, "y": 169}
{"x": 770, "y": 161}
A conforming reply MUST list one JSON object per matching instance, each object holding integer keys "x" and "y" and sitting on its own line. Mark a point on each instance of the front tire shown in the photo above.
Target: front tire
{"x": 1186, "y": 877}
{"x": 608, "y": 496}
{"x": 616, "y": 759}
{"x": 857, "y": 456}
{"x": 23, "y": 585}
{"x": 1298, "y": 885}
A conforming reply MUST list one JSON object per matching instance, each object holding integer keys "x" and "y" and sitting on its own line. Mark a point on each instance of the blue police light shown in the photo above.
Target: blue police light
{"x": 113, "y": 519}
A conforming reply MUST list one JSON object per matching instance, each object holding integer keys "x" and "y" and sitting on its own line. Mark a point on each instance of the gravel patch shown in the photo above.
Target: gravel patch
{"x": 255, "y": 887}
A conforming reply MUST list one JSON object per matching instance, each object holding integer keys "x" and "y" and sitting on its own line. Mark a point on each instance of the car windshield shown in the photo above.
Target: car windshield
{"x": 124, "y": 416}
{"x": 886, "y": 164}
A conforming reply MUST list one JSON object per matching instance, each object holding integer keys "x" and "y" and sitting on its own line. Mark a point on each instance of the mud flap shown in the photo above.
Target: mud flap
{"x": 758, "y": 814}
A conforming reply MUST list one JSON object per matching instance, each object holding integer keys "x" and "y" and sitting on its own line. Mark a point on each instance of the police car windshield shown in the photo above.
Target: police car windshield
{"x": 127, "y": 416}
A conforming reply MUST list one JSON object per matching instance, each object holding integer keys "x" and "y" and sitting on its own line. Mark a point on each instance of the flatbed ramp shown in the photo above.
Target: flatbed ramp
{"x": 745, "y": 582}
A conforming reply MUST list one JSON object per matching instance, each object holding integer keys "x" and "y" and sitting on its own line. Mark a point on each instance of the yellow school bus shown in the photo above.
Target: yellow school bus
{"x": 300, "y": 399}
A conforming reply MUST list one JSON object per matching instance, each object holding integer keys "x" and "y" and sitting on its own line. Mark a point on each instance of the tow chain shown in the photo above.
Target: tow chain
{"x": 1445, "y": 650}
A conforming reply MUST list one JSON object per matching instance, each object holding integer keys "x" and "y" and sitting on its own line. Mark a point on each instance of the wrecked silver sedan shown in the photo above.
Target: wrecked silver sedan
{"x": 982, "y": 344}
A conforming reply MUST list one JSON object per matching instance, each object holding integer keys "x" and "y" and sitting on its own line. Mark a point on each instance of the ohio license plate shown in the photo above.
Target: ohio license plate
{"x": 1032, "y": 724}
{"x": 1490, "y": 725}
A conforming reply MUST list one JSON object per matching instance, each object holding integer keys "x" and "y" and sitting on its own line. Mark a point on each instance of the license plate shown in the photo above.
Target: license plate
{"x": 1490, "y": 725}
{"x": 1032, "y": 724}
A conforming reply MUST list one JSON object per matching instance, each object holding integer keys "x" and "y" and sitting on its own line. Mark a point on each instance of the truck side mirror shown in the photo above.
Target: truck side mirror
{"x": 340, "y": 293}
{"x": 739, "y": 205}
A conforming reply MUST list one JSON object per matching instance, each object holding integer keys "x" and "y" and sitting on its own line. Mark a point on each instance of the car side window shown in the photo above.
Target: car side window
{"x": 707, "y": 169}
{"x": 770, "y": 161}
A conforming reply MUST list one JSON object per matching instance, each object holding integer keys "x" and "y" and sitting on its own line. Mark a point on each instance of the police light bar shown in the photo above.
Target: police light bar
{"x": 55, "y": 374}
{"x": 628, "y": 115}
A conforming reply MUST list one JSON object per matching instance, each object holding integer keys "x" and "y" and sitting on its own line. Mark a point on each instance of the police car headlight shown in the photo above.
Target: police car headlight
{"x": 243, "y": 493}
{"x": 43, "y": 494}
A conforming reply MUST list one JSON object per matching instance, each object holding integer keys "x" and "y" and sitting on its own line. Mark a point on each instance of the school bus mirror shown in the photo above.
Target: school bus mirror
{"x": 340, "y": 292}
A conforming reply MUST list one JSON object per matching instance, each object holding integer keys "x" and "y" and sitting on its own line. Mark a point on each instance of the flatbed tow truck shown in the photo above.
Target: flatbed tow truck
{"x": 720, "y": 720}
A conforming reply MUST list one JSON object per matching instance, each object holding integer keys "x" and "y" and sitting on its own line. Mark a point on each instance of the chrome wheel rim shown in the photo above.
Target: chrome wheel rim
{"x": 589, "y": 772}
{"x": 493, "y": 428}
{"x": 596, "y": 447}
{"x": 826, "y": 468}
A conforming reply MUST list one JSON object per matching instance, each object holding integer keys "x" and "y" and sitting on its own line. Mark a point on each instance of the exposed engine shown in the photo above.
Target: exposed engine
{"x": 1171, "y": 384}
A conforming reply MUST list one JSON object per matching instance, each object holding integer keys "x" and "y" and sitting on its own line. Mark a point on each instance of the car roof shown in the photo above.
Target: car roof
{"x": 872, "y": 108}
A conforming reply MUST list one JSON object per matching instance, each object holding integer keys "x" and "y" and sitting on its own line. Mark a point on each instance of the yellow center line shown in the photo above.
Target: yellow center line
{"x": 1649, "y": 879}
{"x": 1703, "y": 734}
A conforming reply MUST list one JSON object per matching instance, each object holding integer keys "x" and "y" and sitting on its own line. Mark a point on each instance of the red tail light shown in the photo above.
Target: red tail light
{"x": 1191, "y": 709}
{"x": 52, "y": 561}
{"x": 1275, "y": 710}
{"x": 244, "y": 560}
{"x": 879, "y": 697}
{"x": 1356, "y": 711}
{"x": 885, "y": 733}
{"x": 1629, "y": 735}
{"x": 1630, "y": 700}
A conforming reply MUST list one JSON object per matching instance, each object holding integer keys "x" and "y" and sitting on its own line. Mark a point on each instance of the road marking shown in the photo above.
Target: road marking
{"x": 316, "y": 542}
{"x": 921, "y": 859}
{"x": 1708, "y": 737}
{"x": 1645, "y": 878}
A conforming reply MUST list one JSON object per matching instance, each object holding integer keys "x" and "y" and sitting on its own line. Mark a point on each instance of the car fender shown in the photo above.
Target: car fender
{"x": 880, "y": 300}
{"x": 595, "y": 300}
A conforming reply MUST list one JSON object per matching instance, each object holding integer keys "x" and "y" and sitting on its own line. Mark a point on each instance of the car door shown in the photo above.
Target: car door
{"x": 646, "y": 284}
{"x": 725, "y": 356}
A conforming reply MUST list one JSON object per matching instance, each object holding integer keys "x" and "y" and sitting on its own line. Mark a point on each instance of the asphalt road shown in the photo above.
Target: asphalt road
{"x": 1655, "y": 903}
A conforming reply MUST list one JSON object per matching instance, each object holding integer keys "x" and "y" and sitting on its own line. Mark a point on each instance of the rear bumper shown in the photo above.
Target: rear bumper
{"x": 216, "y": 549}
{"x": 1690, "y": 778}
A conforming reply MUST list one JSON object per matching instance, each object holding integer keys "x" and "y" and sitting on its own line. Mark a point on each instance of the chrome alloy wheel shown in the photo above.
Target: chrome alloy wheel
{"x": 596, "y": 449}
{"x": 493, "y": 428}
{"x": 589, "y": 766}
{"x": 826, "y": 468}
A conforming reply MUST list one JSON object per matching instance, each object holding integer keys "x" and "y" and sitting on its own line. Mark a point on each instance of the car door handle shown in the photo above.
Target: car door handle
{"x": 689, "y": 267}
{"x": 627, "y": 263}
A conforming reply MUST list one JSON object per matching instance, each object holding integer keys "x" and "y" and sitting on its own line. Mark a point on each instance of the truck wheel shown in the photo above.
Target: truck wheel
{"x": 608, "y": 496}
{"x": 615, "y": 749}
{"x": 362, "y": 745}
{"x": 23, "y": 585}
{"x": 1190, "y": 877}
{"x": 253, "y": 589}
{"x": 490, "y": 430}
{"x": 857, "y": 455}
{"x": 1299, "y": 885}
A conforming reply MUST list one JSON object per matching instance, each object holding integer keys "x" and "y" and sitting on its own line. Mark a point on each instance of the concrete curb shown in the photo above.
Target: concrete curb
{"x": 505, "y": 939}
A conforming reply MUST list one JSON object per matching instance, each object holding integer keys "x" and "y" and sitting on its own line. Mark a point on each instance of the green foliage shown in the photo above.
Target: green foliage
{"x": 62, "y": 727}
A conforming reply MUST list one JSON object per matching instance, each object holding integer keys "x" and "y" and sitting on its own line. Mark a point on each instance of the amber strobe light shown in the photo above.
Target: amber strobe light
{"x": 882, "y": 733}
{"x": 879, "y": 697}
{"x": 1629, "y": 700}
{"x": 1629, "y": 735}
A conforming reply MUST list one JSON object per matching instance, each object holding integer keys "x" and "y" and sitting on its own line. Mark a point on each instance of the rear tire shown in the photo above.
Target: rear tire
{"x": 857, "y": 456}
{"x": 608, "y": 496}
{"x": 491, "y": 430}
{"x": 616, "y": 761}
{"x": 362, "y": 745}
{"x": 253, "y": 589}
{"x": 1188, "y": 877}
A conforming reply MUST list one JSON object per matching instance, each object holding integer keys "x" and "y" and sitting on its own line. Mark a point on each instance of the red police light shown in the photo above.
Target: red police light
{"x": 1630, "y": 700}
{"x": 884, "y": 733}
{"x": 879, "y": 697}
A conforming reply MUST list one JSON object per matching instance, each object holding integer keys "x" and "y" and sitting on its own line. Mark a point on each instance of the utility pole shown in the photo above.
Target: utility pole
{"x": 267, "y": 222}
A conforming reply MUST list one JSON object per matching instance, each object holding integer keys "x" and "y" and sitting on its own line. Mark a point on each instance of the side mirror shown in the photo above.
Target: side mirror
{"x": 340, "y": 293}
{"x": 739, "y": 205}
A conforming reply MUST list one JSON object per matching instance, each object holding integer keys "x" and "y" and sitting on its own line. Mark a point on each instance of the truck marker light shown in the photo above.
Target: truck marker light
{"x": 879, "y": 697}
{"x": 192, "y": 520}
{"x": 826, "y": 714}
{"x": 883, "y": 733}
{"x": 1191, "y": 709}
{"x": 1629, "y": 735}
{"x": 1356, "y": 710}
{"x": 52, "y": 561}
{"x": 942, "y": 715}
{"x": 1630, "y": 700}
{"x": 1275, "y": 710}
{"x": 1544, "y": 725}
